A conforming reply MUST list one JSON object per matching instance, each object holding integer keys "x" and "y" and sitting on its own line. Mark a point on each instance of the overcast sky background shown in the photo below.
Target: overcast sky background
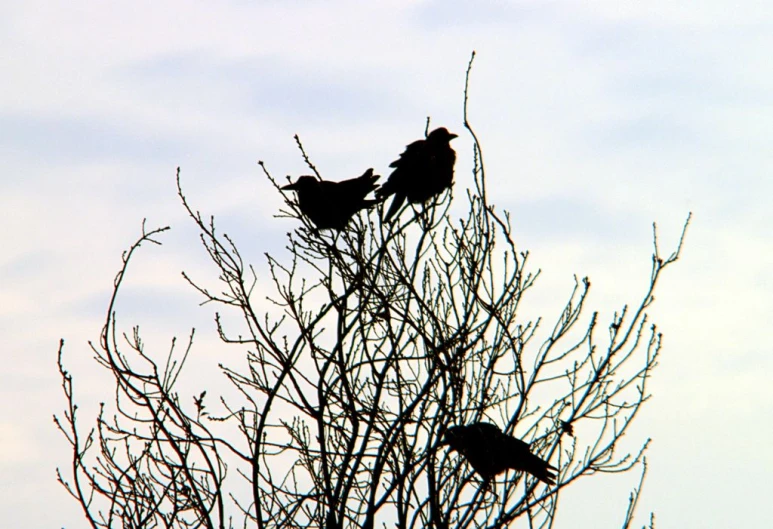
{"x": 597, "y": 118}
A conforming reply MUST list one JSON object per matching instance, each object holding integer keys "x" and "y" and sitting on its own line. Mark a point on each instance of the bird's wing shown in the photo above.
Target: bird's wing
{"x": 411, "y": 163}
{"x": 414, "y": 152}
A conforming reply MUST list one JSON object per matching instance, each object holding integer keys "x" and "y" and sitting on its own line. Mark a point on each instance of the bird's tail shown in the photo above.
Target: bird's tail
{"x": 368, "y": 180}
{"x": 397, "y": 201}
{"x": 540, "y": 469}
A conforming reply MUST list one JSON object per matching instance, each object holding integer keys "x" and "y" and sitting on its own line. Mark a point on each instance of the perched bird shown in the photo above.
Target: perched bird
{"x": 330, "y": 205}
{"x": 424, "y": 170}
{"x": 490, "y": 452}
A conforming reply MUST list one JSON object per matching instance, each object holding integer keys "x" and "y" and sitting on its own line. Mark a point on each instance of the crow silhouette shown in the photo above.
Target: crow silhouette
{"x": 490, "y": 452}
{"x": 330, "y": 205}
{"x": 424, "y": 170}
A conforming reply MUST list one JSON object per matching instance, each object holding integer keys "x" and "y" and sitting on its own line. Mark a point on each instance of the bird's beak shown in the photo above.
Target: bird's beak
{"x": 452, "y": 136}
{"x": 289, "y": 187}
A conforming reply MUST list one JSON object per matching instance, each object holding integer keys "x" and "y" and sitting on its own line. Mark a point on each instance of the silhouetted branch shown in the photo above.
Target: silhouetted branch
{"x": 367, "y": 344}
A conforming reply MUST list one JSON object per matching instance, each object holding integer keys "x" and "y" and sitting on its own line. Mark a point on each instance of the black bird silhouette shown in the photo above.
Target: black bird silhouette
{"x": 330, "y": 205}
{"x": 424, "y": 170}
{"x": 490, "y": 452}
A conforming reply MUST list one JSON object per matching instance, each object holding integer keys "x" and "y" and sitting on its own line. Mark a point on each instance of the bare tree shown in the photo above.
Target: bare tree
{"x": 380, "y": 337}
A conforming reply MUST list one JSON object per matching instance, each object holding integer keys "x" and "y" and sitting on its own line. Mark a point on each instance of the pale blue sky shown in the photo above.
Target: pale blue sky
{"x": 597, "y": 118}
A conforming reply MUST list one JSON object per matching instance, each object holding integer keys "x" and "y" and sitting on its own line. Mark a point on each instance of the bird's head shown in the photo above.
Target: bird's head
{"x": 453, "y": 437}
{"x": 441, "y": 135}
{"x": 303, "y": 183}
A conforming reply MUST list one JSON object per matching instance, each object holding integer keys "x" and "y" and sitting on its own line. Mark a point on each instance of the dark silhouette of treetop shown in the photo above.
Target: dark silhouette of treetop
{"x": 358, "y": 357}
{"x": 424, "y": 169}
{"x": 330, "y": 205}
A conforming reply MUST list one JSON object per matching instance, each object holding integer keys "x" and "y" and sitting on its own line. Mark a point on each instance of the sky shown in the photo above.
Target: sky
{"x": 597, "y": 118}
